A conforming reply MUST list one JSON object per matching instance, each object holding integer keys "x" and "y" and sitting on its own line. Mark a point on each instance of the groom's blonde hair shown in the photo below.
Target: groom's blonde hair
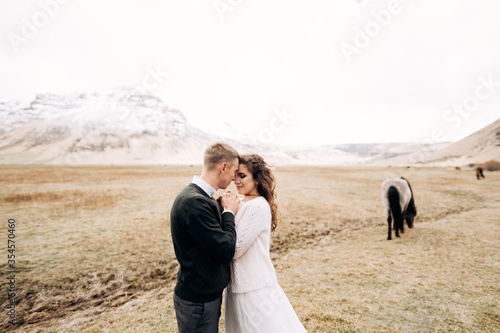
{"x": 218, "y": 153}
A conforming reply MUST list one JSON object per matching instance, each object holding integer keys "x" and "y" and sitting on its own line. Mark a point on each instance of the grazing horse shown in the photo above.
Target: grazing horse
{"x": 479, "y": 173}
{"x": 397, "y": 198}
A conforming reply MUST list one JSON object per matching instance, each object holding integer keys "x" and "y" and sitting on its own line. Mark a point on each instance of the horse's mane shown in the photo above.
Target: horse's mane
{"x": 411, "y": 205}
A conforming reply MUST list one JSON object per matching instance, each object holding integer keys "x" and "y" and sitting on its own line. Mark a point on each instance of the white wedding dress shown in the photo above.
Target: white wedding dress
{"x": 254, "y": 300}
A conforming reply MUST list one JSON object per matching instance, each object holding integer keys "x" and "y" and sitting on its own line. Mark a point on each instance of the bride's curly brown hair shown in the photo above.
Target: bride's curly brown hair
{"x": 266, "y": 183}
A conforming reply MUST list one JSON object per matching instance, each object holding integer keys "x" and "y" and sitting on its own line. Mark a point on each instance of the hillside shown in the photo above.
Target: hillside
{"x": 480, "y": 147}
{"x": 383, "y": 154}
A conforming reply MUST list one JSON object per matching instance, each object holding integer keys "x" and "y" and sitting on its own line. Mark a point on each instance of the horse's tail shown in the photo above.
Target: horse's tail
{"x": 393, "y": 196}
{"x": 412, "y": 209}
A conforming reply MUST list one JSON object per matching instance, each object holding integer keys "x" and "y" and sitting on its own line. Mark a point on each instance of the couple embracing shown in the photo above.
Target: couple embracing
{"x": 226, "y": 244}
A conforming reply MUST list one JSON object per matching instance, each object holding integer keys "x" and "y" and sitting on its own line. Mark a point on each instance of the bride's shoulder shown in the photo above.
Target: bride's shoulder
{"x": 257, "y": 207}
{"x": 258, "y": 203}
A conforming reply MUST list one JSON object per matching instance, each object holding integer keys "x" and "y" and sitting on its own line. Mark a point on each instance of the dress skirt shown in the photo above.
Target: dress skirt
{"x": 261, "y": 311}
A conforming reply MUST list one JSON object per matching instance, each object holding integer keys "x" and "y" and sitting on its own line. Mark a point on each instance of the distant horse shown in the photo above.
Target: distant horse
{"x": 397, "y": 198}
{"x": 458, "y": 168}
{"x": 479, "y": 173}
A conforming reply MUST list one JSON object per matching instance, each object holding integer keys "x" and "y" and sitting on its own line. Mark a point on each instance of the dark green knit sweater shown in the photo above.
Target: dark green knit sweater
{"x": 204, "y": 243}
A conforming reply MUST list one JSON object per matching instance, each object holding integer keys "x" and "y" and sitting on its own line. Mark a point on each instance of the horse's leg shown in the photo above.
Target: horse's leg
{"x": 389, "y": 221}
{"x": 397, "y": 227}
{"x": 403, "y": 223}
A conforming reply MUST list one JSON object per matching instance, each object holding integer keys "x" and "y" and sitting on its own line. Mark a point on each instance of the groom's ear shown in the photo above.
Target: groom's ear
{"x": 223, "y": 167}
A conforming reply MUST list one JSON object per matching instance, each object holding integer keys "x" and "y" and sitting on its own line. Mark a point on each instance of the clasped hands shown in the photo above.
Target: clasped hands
{"x": 229, "y": 201}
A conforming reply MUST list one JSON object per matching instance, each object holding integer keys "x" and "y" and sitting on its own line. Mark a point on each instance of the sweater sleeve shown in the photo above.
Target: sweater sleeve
{"x": 255, "y": 220}
{"x": 217, "y": 240}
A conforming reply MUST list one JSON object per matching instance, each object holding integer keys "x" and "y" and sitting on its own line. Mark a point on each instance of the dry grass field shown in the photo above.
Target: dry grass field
{"x": 94, "y": 252}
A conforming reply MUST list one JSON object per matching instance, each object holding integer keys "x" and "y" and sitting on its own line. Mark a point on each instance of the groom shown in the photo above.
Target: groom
{"x": 204, "y": 241}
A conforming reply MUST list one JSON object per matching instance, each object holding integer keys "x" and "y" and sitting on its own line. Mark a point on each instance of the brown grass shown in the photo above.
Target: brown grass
{"x": 71, "y": 199}
{"x": 94, "y": 252}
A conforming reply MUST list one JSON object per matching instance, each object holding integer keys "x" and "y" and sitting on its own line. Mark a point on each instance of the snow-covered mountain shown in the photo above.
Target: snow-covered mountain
{"x": 120, "y": 126}
{"x": 129, "y": 126}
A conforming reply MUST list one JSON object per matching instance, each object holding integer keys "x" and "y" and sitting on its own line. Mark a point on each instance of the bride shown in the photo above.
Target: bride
{"x": 254, "y": 300}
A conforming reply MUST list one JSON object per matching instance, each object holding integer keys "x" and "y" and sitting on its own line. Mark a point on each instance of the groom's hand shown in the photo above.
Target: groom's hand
{"x": 230, "y": 202}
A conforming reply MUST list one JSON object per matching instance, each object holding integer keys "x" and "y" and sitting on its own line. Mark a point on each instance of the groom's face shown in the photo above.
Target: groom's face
{"x": 228, "y": 173}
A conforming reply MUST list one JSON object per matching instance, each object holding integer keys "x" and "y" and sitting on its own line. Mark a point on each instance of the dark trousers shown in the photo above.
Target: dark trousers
{"x": 197, "y": 317}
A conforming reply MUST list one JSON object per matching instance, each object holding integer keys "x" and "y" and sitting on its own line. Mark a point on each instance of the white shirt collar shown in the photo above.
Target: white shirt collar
{"x": 204, "y": 186}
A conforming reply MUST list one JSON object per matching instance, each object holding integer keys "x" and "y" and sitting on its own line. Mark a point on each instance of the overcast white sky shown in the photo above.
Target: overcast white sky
{"x": 238, "y": 62}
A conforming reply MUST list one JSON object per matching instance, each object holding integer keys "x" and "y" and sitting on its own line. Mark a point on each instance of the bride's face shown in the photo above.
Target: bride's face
{"x": 245, "y": 184}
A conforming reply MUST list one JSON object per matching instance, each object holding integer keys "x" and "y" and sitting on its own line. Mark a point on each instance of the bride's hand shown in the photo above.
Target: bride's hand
{"x": 230, "y": 201}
